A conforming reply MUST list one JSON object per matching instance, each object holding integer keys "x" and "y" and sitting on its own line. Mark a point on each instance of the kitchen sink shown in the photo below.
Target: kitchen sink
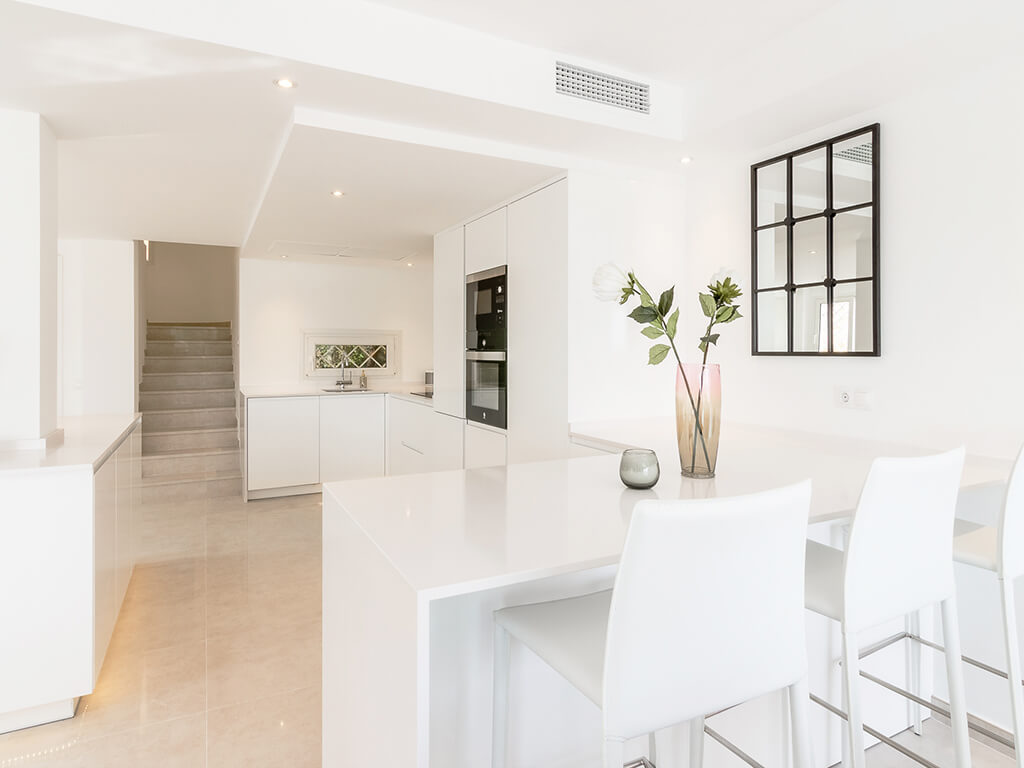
{"x": 341, "y": 391}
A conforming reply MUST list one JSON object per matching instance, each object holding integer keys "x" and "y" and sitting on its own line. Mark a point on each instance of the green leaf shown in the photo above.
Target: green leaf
{"x": 670, "y": 326}
{"x": 711, "y": 338}
{"x": 703, "y": 346}
{"x": 652, "y": 332}
{"x": 734, "y": 316}
{"x": 645, "y": 297}
{"x": 644, "y": 315}
{"x": 657, "y": 354}
{"x": 707, "y": 303}
{"x": 724, "y": 314}
{"x": 665, "y": 302}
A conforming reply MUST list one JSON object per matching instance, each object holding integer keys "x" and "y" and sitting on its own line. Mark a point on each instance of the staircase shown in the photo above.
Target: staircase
{"x": 187, "y": 398}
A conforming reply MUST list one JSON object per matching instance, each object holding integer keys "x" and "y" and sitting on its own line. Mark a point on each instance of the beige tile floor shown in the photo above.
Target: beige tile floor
{"x": 215, "y": 660}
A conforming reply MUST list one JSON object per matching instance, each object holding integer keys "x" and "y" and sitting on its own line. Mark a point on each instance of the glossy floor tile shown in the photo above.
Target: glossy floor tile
{"x": 215, "y": 659}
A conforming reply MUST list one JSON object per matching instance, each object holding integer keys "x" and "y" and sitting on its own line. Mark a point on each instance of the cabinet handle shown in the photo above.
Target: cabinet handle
{"x": 414, "y": 450}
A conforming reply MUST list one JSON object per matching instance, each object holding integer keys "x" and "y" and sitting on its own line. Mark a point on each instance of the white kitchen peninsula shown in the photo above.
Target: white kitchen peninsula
{"x": 414, "y": 567}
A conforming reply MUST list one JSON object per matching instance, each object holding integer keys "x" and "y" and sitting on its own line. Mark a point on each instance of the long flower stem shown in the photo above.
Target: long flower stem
{"x": 682, "y": 371}
{"x": 700, "y": 394}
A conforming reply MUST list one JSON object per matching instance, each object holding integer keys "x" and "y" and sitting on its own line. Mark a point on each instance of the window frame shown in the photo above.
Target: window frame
{"x": 828, "y": 214}
{"x": 391, "y": 339}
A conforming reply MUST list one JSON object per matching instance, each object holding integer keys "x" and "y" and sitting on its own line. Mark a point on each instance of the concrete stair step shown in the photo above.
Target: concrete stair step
{"x": 191, "y": 381}
{"x": 191, "y": 485}
{"x": 189, "y": 439}
{"x": 187, "y": 333}
{"x": 187, "y": 364}
{"x": 183, "y": 462}
{"x": 176, "y": 419}
{"x": 187, "y": 348}
{"x": 157, "y": 400}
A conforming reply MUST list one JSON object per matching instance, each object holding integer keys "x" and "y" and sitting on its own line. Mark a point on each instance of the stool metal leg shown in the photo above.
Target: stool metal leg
{"x": 697, "y": 742}
{"x": 1013, "y": 666}
{"x": 955, "y": 673}
{"x": 652, "y": 747}
{"x": 855, "y": 721}
{"x": 799, "y": 696}
{"x": 499, "y": 721}
{"x": 914, "y": 670}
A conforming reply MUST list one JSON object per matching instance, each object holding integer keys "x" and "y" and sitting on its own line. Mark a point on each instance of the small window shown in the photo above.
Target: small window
{"x": 326, "y": 353}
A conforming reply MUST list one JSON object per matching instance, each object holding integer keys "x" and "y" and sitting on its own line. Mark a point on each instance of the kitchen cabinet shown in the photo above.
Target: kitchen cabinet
{"x": 422, "y": 440}
{"x": 538, "y": 247}
{"x": 282, "y": 442}
{"x": 487, "y": 241}
{"x": 105, "y": 602}
{"x": 485, "y": 447}
{"x": 450, "y": 323}
{"x": 351, "y": 437}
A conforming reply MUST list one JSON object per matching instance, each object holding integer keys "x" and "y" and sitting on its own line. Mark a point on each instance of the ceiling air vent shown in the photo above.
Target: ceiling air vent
{"x": 605, "y": 89}
{"x": 862, "y": 153}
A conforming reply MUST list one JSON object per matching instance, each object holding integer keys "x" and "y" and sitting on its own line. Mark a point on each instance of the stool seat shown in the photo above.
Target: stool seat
{"x": 824, "y": 580}
{"x": 569, "y": 635}
{"x": 976, "y": 545}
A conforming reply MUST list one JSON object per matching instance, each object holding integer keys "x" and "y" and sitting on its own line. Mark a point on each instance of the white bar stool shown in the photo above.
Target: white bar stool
{"x": 897, "y": 561}
{"x": 671, "y": 642}
{"x": 999, "y": 549}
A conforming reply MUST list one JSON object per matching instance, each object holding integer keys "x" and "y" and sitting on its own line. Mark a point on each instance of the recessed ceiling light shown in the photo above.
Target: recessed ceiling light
{"x": 285, "y": 83}
{"x": 408, "y": 263}
{"x": 813, "y": 253}
{"x": 686, "y": 160}
{"x": 337, "y": 193}
{"x": 284, "y": 255}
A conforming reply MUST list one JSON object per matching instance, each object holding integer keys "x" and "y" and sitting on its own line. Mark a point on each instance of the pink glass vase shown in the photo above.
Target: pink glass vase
{"x": 698, "y": 418}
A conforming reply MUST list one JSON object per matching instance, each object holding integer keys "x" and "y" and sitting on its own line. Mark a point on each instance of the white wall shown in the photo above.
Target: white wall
{"x": 190, "y": 283}
{"x": 28, "y": 290}
{"x": 952, "y": 261}
{"x": 637, "y": 223}
{"x": 98, "y": 365}
{"x": 280, "y": 300}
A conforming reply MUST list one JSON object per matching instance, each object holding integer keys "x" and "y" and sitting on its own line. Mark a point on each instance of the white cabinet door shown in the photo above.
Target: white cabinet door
{"x": 105, "y": 560}
{"x": 450, "y": 323}
{"x": 124, "y": 519}
{"x": 408, "y": 436}
{"x": 446, "y": 438}
{"x": 282, "y": 441}
{"x": 351, "y": 437}
{"x": 487, "y": 242}
{"x": 538, "y": 247}
{"x": 485, "y": 447}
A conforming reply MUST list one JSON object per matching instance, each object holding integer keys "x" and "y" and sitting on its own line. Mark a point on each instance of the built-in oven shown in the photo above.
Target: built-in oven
{"x": 485, "y": 388}
{"x": 485, "y": 309}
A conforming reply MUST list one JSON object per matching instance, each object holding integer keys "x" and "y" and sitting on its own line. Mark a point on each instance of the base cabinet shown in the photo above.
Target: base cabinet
{"x": 485, "y": 447}
{"x": 351, "y": 437}
{"x": 421, "y": 439}
{"x": 282, "y": 442}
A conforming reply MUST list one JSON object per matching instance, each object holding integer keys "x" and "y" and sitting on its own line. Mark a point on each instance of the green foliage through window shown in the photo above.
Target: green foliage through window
{"x": 330, "y": 356}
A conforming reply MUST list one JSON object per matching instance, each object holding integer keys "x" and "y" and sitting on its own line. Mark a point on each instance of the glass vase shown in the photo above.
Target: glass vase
{"x": 698, "y": 418}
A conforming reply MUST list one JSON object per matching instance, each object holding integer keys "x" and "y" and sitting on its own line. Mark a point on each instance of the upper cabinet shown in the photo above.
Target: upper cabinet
{"x": 450, "y": 323}
{"x": 487, "y": 242}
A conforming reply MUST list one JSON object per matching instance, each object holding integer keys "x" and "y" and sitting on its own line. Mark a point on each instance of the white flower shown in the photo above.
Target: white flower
{"x": 721, "y": 275}
{"x": 611, "y": 282}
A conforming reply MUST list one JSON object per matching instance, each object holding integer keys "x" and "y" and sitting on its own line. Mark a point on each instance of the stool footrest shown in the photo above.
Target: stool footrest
{"x": 732, "y": 747}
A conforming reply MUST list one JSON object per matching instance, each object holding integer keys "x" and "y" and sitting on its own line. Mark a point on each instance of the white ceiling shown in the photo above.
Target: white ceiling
{"x": 396, "y": 195}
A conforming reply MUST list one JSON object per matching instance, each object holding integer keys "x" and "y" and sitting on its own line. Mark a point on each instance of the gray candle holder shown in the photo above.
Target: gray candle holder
{"x": 639, "y": 469}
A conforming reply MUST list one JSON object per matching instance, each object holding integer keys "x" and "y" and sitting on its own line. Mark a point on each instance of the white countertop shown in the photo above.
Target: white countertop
{"x": 88, "y": 440}
{"x": 400, "y": 389}
{"x": 450, "y": 533}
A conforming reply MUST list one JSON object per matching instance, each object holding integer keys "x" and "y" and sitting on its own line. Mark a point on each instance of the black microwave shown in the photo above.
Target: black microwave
{"x": 486, "y": 295}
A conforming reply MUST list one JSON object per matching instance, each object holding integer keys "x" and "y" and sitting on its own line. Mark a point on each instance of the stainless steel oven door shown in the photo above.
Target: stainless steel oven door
{"x": 486, "y": 397}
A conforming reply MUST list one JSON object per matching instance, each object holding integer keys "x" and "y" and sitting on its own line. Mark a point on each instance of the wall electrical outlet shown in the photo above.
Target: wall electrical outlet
{"x": 850, "y": 397}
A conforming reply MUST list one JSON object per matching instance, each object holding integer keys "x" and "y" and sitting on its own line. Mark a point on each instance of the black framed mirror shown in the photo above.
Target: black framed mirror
{"x": 814, "y": 219}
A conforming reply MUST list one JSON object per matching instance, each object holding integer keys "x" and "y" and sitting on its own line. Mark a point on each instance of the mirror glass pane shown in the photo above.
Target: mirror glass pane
{"x": 852, "y": 243}
{"x": 771, "y": 193}
{"x": 851, "y": 171}
{"x": 771, "y": 257}
{"x": 810, "y": 251}
{"x": 853, "y": 317}
{"x": 772, "y": 322}
{"x": 809, "y": 183}
{"x": 810, "y": 332}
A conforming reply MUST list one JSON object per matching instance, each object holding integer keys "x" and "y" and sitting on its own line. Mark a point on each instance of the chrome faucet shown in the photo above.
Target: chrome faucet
{"x": 341, "y": 382}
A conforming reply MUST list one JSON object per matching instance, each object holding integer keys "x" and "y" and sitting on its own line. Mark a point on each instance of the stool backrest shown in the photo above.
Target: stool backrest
{"x": 708, "y": 608}
{"x": 1011, "y": 526}
{"x": 900, "y": 554}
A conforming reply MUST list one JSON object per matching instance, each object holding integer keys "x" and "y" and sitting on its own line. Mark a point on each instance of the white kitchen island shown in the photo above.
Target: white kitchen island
{"x": 415, "y": 565}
